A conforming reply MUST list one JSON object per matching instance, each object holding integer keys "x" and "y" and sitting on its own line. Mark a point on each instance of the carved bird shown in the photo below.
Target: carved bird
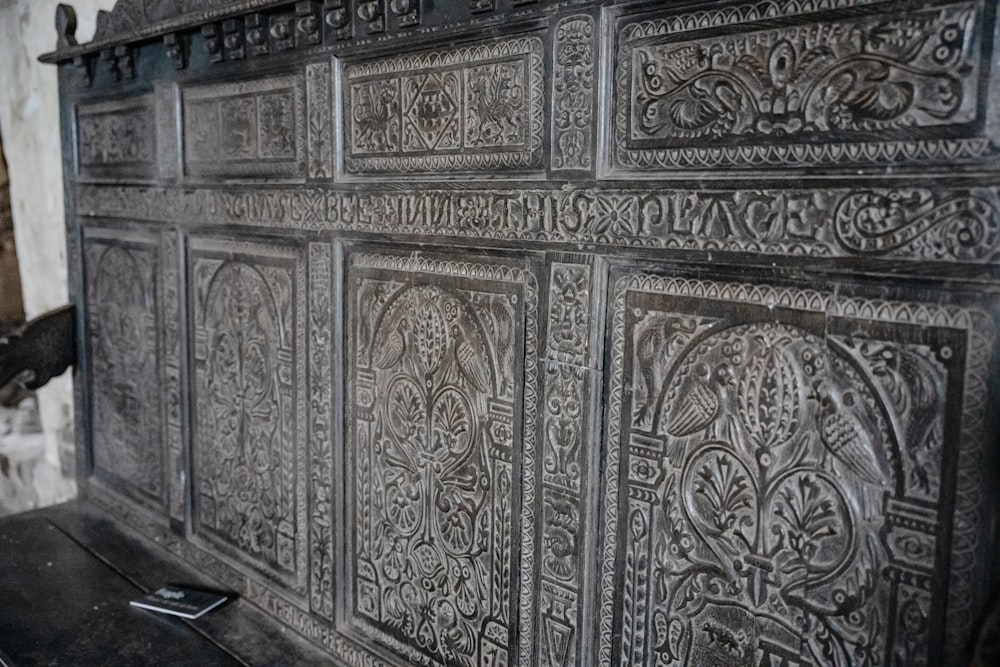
{"x": 394, "y": 347}
{"x": 699, "y": 407}
{"x": 846, "y": 432}
{"x": 470, "y": 363}
{"x": 649, "y": 344}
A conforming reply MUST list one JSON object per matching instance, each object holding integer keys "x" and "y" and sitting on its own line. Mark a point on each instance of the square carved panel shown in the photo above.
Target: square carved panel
{"x": 791, "y": 477}
{"x": 124, "y": 326}
{"x": 248, "y": 403}
{"x": 441, "y": 395}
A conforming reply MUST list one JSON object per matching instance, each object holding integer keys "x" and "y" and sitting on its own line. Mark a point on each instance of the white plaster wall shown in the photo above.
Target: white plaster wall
{"x": 29, "y": 121}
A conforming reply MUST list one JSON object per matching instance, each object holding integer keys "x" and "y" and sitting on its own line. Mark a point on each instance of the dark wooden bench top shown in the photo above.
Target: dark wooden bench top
{"x": 67, "y": 574}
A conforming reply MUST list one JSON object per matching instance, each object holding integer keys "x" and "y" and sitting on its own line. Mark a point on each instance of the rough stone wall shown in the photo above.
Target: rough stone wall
{"x": 29, "y": 122}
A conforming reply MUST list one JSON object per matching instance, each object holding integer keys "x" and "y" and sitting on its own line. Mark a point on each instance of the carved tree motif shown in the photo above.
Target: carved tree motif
{"x": 246, "y": 413}
{"x": 433, "y": 478}
{"x": 777, "y": 480}
{"x": 125, "y": 366}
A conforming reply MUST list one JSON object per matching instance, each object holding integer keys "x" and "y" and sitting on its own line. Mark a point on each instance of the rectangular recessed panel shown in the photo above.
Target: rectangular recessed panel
{"x": 783, "y": 470}
{"x": 441, "y": 357}
{"x": 248, "y": 403}
{"x": 455, "y": 110}
{"x": 723, "y": 88}
{"x": 246, "y": 129}
{"x": 124, "y": 336}
{"x": 117, "y": 139}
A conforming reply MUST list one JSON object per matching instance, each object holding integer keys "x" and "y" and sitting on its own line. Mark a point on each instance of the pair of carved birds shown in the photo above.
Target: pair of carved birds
{"x": 844, "y": 428}
{"x": 468, "y": 361}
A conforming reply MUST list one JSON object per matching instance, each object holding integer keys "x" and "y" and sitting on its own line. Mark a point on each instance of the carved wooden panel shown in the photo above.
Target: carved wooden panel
{"x": 806, "y": 89}
{"x": 452, "y": 110}
{"x": 117, "y": 139}
{"x": 787, "y": 472}
{"x": 440, "y": 458}
{"x": 247, "y": 305}
{"x": 124, "y": 325}
{"x": 250, "y": 128}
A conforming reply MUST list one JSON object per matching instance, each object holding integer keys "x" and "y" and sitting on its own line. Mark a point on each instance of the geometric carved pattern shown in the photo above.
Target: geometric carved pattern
{"x": 778, "y": 477}
{"x": 467, "y": 109}
{"x": 437, "y": 382}
{"x": 249, "y": 363}
{"x": 117, "y": 138}
{"x": 831, "y": 90}
{"x": 252, "y": 128}
{"x": 125, "y": 346}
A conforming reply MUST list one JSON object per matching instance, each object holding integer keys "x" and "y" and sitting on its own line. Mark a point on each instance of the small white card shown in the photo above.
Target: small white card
{"x": 180, "y": 601}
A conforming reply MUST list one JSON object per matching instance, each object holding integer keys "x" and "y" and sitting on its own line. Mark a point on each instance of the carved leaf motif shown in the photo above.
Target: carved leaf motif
{"x": 771, "y": 395}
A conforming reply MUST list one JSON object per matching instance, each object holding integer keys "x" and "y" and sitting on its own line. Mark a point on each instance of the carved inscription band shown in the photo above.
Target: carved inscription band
{"x": 949, "y": 225}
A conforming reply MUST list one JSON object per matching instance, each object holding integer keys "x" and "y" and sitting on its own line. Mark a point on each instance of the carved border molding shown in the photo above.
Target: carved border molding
{"x": 954, "y": 225}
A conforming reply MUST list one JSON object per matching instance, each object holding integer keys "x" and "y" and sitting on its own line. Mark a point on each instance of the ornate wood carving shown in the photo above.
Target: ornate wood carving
{"x": 252, "y": 128}
{"x": 249, "y": 454}
{"x": 44, "y": 348}
{"x": 126, "y": 350}
{"x": 874, "y": 89}
{"x": 457, "y": 110}
{"x": 117, "y": 139}
{"x": 955, "y": 225}
{"x": 376, "y": 238}
{"x": 781, "y": 464}
{"x": 438, "y": 371}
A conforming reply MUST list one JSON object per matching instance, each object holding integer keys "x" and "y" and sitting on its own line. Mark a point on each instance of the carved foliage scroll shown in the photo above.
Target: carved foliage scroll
{"x": 320, "y": 427}
{"x": 573, "y": 94}
{"x": 438, "y": 382}
{"x": 117, "y": 138}
{"x": 252, "y": 128}
{"x": 867, "y": 89}
{"x": 125, "y": 344}
{"x": 779, "y": 484}
{"x": 249, "y": 411}
{"x": 320, "y": 104}
{"x": 461, "y": 110}
{"x": 569, "y": 381}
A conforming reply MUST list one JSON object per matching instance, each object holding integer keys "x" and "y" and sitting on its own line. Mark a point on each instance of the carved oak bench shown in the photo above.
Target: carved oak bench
{"x": 545, "y": 333}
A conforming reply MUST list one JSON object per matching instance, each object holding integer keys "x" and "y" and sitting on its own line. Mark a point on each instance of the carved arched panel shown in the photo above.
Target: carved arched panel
{"x": 781, "y": 472}
{"x": 440, "y": 374}
{"x": 248, "y": 442}
{"x": 126, "y": 395}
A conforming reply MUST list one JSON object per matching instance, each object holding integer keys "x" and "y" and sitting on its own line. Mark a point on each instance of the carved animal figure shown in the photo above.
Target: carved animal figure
{"x": 394, "y": 348}
{"x": 470, "y": 364}
{"x": 846, "y": 433}
{"x": 699, "y": 407}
